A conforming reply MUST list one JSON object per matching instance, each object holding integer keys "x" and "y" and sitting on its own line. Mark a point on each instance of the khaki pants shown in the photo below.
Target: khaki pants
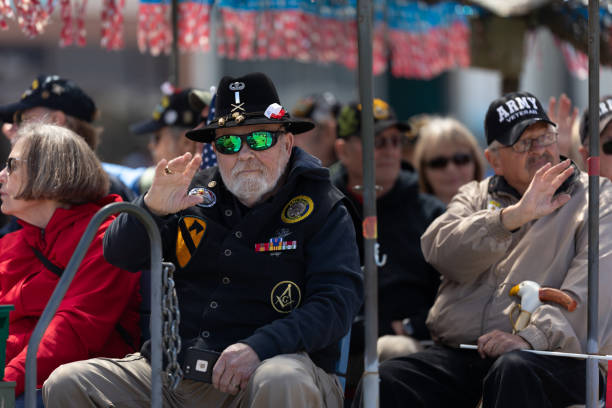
{"x": 287, "y": 380}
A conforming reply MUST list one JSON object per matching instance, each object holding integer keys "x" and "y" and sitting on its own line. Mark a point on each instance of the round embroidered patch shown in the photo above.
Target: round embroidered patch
{"x": 285, "y": 296}
{"x": 297, "y": 209}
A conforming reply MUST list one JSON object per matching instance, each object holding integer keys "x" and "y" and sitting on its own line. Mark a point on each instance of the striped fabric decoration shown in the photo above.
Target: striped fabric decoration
{"x": 155, "y": 31}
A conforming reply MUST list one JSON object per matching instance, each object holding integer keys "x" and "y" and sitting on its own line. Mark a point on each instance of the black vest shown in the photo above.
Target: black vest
{"x": 239, "y": 269}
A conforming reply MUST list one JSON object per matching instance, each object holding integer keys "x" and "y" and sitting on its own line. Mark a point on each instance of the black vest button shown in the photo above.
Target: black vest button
{"x": 228, "y": 252}
{"x": 238, "y": 234}
{"x": 225, "y": 280}
{"x": 205, "y": 334}
{"x": 228, "y": 213}
{"x": 213, "y": 305}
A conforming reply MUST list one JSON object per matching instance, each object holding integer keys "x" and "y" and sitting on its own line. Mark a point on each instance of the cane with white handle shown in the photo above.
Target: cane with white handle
{"x": 532, "y": 296}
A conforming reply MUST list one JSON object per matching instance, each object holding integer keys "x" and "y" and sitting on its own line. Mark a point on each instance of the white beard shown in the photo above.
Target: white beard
{"x": 250, "y": 188}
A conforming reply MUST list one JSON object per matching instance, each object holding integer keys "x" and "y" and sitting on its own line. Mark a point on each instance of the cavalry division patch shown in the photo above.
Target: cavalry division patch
{"x": 297, "y": 209}
{"x": 285, "y": 296}
{"x": 190, "y": 234}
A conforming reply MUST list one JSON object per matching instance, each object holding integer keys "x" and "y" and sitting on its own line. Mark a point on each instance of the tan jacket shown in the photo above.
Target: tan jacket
{"x": 480, "y": 260}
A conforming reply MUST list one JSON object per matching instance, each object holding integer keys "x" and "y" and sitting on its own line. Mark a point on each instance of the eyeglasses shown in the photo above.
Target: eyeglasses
{"x": 11, "y": 164}
{"x": 258, "y": 140}
{"x": 393, "y": 140}
{"x": 525, "y": 145}
{"x": 458, "y": 159}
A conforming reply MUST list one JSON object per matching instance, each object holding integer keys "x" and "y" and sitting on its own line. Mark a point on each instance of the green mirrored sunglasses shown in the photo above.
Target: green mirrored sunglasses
{"x": 258, "y": 140}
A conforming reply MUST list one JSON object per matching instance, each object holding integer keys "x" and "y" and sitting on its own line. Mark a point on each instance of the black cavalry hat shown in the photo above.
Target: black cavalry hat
{"x": 248, "y": 100}
{"x": 53, "y": 92}
{"x": 174, "y": 109}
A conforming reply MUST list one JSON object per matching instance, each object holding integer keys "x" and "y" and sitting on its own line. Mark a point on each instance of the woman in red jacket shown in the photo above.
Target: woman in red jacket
{"x": 54, "y": 184}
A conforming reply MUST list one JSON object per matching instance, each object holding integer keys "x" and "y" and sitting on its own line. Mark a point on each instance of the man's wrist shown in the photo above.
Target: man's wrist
{"x": 512, "y": 217}
{"x": 151, "y": 209}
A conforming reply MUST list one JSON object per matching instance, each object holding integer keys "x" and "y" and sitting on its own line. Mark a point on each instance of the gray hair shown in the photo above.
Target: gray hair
{"x": 60, "y": 166}
{"x": 495, "y": 145}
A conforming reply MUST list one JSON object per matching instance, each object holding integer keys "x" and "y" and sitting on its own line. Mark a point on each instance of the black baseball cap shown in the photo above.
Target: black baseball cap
{"x": 199, "y": 99}
{"x": 317, "y": 107}
{"x": 53, "y": 92}
{"x": 174, "y": 109}
{"x": 349, "y": 119}
{"x": 509, "y": 116}
{"x": 605, "y": 116}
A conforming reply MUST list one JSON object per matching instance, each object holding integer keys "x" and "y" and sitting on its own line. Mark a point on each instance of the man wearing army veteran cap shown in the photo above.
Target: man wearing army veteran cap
{"x": 268, "y": 268}
{"x": 528, "y": 222}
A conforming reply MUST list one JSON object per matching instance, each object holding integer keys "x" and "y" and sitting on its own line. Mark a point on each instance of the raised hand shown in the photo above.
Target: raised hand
{"x": 564, "y": 116}
{"x": 539, "y": 199}
{"x": 168, "y": 193}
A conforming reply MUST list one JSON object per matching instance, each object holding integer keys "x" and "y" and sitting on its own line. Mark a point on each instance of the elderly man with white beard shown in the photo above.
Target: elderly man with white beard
{"x": 268, "y": 278}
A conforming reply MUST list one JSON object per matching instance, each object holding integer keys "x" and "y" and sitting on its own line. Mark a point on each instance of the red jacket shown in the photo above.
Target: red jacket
{"x": 100, "y": 301}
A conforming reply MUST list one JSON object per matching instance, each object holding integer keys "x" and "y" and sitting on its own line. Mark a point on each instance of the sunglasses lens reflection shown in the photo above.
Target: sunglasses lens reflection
{"x": 228, "y": 144}
{"x": 260, "y": 140}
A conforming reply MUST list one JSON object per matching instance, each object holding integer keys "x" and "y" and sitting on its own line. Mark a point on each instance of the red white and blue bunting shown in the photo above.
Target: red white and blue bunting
{"x": 412, "y": 39}
{"x": 417, "y": 40}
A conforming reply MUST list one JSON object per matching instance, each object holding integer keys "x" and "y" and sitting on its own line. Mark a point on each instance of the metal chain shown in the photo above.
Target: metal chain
{"x": 171, "y": 317}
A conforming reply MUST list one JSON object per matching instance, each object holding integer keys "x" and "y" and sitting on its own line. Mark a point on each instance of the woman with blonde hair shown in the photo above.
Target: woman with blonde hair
{"x": 54, "y": 184}
{"x": 447, "y": 156}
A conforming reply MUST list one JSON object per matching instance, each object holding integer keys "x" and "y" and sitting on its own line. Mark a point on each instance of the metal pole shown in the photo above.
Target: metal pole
{"x": 370, "y": 376}
{"x": 592, "y": 374}
{"x": 66, "y": 279}
{"x": 174, "y": 55}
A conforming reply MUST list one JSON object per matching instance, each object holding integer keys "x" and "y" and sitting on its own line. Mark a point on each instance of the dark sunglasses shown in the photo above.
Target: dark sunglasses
{"x": 458, "y": 159}
{"x": 607, "y": 147}
{"x": 393, "y": 140}
{"x": 258, "y": 140}
{"x": 11, "y": 164}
